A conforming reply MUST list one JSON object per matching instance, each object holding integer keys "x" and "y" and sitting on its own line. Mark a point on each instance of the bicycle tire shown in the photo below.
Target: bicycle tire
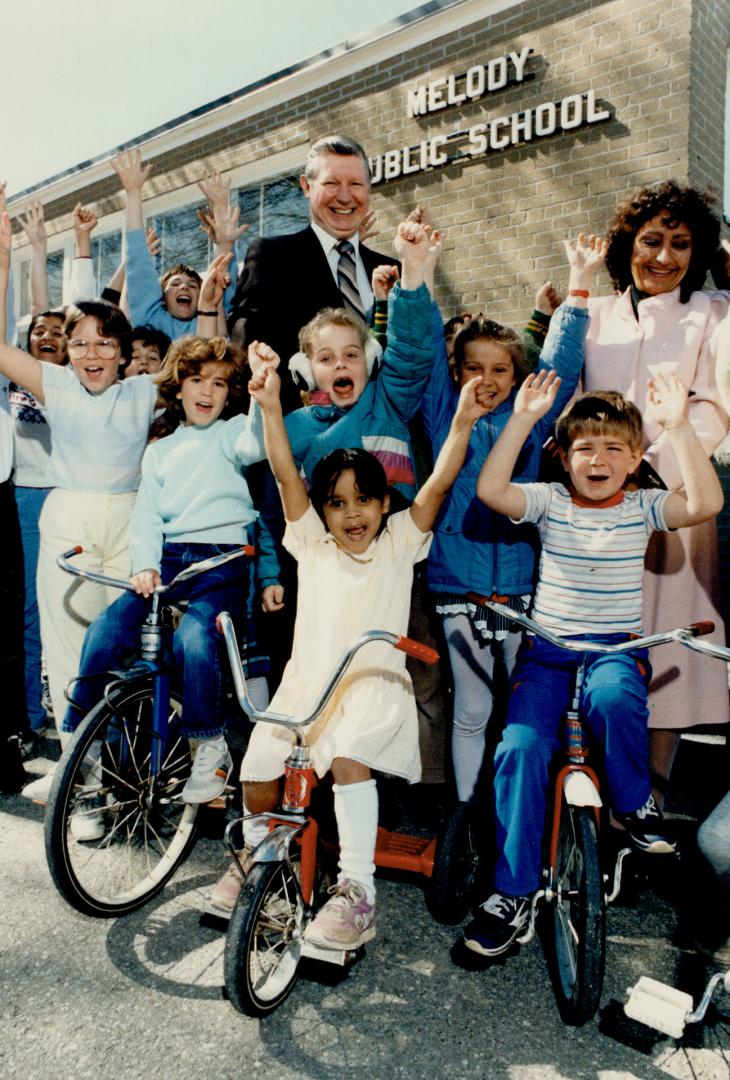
{"x": 264, "y": 941}
{"x": 105, "y": 776}
{"x": 454, "y": 884}
{"x": 578, "y": 912}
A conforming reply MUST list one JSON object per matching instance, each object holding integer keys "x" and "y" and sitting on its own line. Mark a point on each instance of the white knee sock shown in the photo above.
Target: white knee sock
{"x": 254, "y": 829}
{"x": 356, "y": 811}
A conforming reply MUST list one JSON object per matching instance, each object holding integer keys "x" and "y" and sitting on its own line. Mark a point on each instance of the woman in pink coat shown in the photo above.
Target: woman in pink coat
{"x": 661, "y": 243}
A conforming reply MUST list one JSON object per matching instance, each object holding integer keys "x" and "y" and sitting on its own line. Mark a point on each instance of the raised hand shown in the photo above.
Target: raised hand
{"x": 383, "y": 279}
{"x": 587, "y": 253}
{"x": 225, "y": 224}
{"x": 215, "y": 188}
{"x": 216, "y": 281}
{"x": 419, "y": 215}
{"x": 261, "y": 357}
{"x": 34, "y": 224}
{"x": 547, "y": 299}
{"x": 366, "y": 229}
{"x": 536, "y": 395}
{"x": 472, "y": 401}
{"x": 667, "y": 400}
{"x": 133, "y": 175}
{"x": 264, "y": 385}
{"x": 84, "y": 220}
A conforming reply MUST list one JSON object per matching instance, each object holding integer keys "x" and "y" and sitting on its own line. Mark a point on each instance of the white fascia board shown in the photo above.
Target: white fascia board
{"x": 336, "y": 63}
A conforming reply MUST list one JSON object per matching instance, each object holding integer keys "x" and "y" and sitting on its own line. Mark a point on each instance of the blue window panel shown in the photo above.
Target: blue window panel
{"x": 54, "y": 268}
{"x": 286, "y": 209}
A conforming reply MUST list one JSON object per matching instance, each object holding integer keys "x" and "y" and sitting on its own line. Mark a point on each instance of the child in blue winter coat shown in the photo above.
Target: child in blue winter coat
{"x": 348, "y": 408}
{"x": 170, "y": 303}
{"x": 475, "y": 549}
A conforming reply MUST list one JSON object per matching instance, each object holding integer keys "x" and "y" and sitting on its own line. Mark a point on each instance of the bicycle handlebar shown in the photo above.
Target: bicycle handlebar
{"x": 119, "y": 583}
{"x": 224, "y": 623}
{"x": 684, "y": 635}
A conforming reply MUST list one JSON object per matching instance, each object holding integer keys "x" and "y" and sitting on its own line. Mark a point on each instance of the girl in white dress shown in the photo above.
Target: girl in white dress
{"x": 355, "y": 573}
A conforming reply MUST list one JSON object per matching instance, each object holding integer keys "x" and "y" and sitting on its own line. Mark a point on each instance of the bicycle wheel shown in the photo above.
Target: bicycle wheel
{"x": 456, "y": 869}
{"x": 578, "y": 917}
{"x": 264, "y": 940}
{"x": 115, "y": 832}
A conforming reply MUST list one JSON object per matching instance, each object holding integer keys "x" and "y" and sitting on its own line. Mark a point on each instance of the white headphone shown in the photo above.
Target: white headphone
{"x": 301, "y": 368}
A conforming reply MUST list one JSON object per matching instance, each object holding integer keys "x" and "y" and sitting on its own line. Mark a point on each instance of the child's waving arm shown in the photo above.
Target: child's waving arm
{"x": 264, "y": 388}
{"x": 427, "y": 502}
{"x": 494, "y": 486}
{"x": 215, "y": 283}
{"x": 585, "y": 256}
{"x": 34, "y": 227}
{"x": 18, "y": 366}
{"x": 702, "y": 497}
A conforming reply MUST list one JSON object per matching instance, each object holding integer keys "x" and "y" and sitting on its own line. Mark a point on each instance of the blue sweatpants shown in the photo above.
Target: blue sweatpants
{"x": 114, "y": 636}
{"x": 614, "y": 707}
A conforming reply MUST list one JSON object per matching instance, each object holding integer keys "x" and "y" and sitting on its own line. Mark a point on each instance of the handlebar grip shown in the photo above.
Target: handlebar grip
{"x": 415, "y": 648}
{"x": 699, "y": 629}
{"x": 249, "y": 550}
{"x": 78, "y": 550}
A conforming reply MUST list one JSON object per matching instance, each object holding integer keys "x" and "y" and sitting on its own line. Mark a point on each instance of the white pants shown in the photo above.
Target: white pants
{"x": 68, "y": 605}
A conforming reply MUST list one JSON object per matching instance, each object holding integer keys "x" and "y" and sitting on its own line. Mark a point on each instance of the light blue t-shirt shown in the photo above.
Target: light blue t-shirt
{"x": 193, "y": 488}
{"x": 98, "y": 439}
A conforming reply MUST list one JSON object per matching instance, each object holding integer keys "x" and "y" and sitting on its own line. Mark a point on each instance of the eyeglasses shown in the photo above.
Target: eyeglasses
{"x": 104, "y": 349}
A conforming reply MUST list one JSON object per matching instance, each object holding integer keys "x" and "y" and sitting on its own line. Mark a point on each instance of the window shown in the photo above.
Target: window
{"x": 275, "y": 206}
{"x": 181, "y": 237}
{"x": 106, "y": 254}
{"x": 54, "y": 268}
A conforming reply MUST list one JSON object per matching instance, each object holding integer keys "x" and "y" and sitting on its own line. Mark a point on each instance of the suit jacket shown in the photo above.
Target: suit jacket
{"x": 284, "y": 282}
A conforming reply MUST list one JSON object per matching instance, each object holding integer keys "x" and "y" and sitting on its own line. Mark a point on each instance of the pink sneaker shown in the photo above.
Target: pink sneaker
{"x": 346, "y": 921}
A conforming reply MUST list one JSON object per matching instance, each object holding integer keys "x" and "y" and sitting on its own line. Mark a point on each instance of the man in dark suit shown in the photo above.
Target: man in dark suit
{"x": 287, "y": 279}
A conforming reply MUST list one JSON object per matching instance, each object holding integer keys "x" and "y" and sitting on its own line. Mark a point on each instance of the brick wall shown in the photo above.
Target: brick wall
{"x": 710, "y": 40}
{"x": 506, "y": 214}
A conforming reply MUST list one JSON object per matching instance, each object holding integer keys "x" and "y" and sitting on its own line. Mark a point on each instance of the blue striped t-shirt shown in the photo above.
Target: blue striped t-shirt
{"x": 592, "y": 560}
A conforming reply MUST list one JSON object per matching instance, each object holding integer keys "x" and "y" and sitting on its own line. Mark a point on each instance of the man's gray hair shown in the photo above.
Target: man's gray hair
{"x": 333, "y": 144}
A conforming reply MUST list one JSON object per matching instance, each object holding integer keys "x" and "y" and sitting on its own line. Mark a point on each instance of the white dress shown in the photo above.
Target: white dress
{"x": 371, "y": 717}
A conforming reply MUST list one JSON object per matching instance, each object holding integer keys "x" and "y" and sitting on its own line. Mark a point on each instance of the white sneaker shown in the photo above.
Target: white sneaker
{"x": 39, "y": 790}
{"x": 210, "y": 772}
{"x": 87, "y": 821}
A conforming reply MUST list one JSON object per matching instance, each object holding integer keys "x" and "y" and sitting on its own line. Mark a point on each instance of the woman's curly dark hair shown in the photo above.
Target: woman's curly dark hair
{"x": 677, "y": 206}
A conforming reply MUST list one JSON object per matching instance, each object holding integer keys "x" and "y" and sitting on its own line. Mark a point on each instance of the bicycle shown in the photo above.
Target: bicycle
{"x": 574, "y": 879}
{"x": 659, "y": 1005}
{"x": 126, "y": 764}
{"x": 266, "y": 942}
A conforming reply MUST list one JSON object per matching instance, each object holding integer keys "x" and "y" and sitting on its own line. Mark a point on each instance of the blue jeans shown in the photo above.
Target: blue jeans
{"x": 30, "y": 503}
{"x": 714, "y": 840}
{"x": 112, "y": 639}
{"x": 613, "y": 705}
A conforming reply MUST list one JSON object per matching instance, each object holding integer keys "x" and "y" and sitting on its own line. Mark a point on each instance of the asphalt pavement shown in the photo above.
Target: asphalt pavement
{"x": 142, "y": 996}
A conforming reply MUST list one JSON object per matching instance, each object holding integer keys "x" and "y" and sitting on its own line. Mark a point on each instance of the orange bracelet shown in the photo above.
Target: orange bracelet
{"x": 579, "y": 292}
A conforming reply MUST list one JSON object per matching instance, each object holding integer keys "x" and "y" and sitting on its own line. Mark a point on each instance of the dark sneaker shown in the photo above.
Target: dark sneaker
{"x": 646, "y": 830}
{"x": 498, "y": 922}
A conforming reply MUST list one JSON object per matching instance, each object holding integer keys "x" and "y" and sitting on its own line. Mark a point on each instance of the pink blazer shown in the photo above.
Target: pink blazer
{"x": 622, "y": 353}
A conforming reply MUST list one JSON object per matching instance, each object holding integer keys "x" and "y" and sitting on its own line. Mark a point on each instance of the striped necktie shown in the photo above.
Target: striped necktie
{"x": 347, "y": 277}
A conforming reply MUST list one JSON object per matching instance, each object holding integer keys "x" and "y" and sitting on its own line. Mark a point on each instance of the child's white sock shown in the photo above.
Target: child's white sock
{"x": 254, "y": 829}
{"x": 356, "y": 811}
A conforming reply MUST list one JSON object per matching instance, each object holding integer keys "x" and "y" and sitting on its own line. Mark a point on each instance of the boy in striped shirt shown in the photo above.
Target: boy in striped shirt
{"x": 594, "y": 534}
